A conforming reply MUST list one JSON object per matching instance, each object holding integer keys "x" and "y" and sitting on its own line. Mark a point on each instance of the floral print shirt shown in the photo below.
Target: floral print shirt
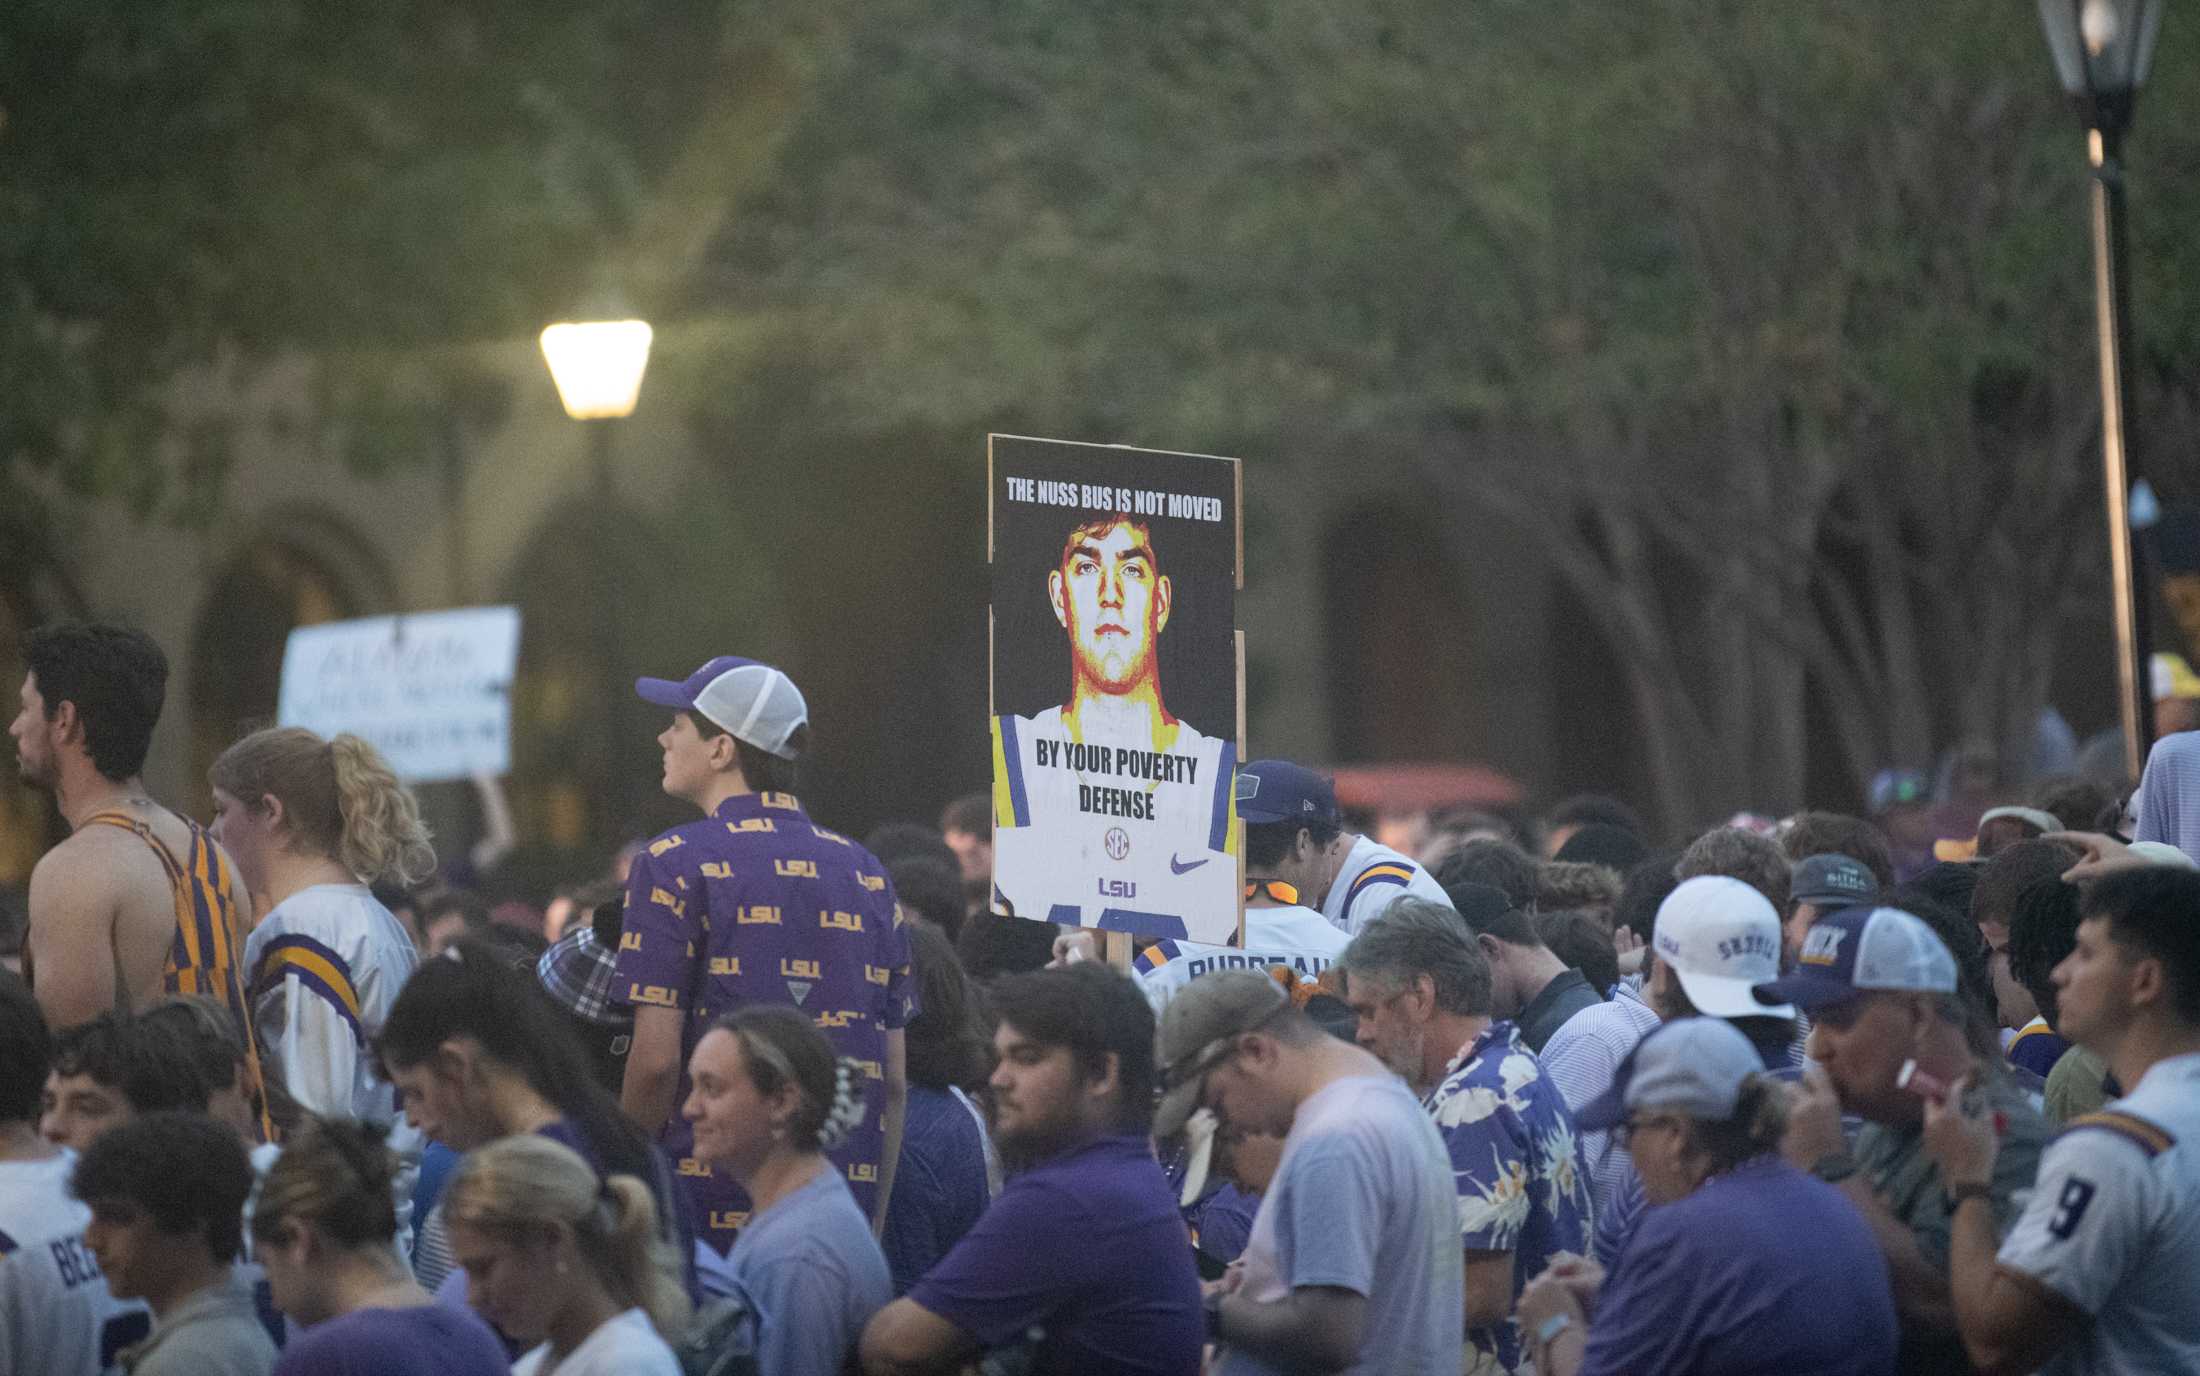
{"x": 1522, "y": 1178}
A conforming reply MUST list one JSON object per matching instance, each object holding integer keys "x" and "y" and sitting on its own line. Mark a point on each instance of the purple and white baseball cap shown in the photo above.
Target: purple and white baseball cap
{"x": 1722, "y": 939}
{"x": 1858, "y": 950}
{"x": 752, "y": 702}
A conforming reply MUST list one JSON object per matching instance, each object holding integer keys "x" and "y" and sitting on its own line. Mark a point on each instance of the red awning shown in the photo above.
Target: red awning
{"x": 1425, "y": 787}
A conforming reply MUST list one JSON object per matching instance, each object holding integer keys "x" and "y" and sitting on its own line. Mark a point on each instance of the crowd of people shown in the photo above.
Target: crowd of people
{"x": 1543, "y": 1096}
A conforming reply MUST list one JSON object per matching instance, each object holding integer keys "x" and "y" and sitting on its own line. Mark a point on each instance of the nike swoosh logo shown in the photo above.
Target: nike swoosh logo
{"x": 1177, "y": 866}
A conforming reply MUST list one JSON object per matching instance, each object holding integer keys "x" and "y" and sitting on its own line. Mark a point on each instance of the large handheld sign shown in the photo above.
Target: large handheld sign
{"x": 433, "y": 692}
{"x": 1117, "y": 707}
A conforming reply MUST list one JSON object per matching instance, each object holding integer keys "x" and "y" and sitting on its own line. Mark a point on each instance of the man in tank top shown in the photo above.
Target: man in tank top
{"x": 138, "y": 902}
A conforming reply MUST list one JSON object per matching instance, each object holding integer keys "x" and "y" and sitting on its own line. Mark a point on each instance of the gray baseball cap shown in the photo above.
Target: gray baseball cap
{"x": 1197, "y": 1028}
{"x": 1690, "y": 1066}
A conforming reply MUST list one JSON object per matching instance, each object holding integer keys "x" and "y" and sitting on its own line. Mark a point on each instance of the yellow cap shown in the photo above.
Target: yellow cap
{"x": 2174, "y": 679}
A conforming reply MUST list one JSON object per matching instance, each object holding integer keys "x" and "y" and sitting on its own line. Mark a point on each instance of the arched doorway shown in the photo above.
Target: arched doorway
{"x": 280, "y": 580}
{"x": 582, "y": 780}
{"x": 1400, "y": 648}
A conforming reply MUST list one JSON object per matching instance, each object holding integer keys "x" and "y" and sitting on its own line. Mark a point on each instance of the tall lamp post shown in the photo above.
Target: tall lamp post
{"x": 598, "y": 366}
{"x": 2102, "y": 49}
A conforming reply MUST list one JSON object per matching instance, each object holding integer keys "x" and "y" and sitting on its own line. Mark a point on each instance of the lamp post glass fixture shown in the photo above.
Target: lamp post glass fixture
{"x": 2102, "y": 50}
{"x": 598, "y": 367}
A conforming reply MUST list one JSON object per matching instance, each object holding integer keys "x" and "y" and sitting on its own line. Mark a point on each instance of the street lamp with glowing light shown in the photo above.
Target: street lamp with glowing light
{"x": 2102, "y": 50}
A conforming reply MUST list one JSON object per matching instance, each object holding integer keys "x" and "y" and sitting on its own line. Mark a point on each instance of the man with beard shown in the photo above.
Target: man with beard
{"x": 138, "y": 902}
{"x": 1084, "y": 1246}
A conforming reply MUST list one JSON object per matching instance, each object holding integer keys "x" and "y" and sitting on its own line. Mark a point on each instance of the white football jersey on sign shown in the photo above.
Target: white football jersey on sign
{"x": 1136, "y": 836}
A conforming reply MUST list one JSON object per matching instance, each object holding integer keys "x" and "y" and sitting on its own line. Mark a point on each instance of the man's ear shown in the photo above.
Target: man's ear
{"x": 1164, "y": 597}
{"x": 1056, "y": 596}
{"x": 1423, "y": 993}
{"x": 277, "y": 814}
{"x": 1493, "y": 950}
{"x": 67, "y": 723}
{"x": 1109, "y": 1079}
{"x": 2148, "y": 984}
{"x": 723, "y": 754}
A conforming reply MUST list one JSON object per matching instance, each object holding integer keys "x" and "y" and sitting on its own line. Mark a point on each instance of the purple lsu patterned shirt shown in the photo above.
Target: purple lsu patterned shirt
{"x": 755, "y": 904}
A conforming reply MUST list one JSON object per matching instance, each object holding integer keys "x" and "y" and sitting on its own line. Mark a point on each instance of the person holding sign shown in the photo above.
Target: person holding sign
{"x": 1111, "y": 776}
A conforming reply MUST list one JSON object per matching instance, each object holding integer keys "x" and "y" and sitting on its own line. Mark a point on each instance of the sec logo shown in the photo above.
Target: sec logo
{"x": 1118, "y": 842}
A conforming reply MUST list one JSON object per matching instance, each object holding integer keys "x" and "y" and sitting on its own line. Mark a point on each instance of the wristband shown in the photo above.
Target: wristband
{"x": 1834, "y": 1167}
{"x": 1969, "y": 1189}
{"x": 1553, "y": 1326}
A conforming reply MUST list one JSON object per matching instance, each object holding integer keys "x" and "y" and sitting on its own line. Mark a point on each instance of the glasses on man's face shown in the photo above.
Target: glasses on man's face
{"x": 1624, "y": 1134}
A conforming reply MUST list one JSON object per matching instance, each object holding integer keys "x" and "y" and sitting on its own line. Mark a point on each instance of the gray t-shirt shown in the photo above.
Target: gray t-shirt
{"x": 215, "y": 1332}
{"x": 815, "y": 1274}
{"x": 1363, "y": 1200}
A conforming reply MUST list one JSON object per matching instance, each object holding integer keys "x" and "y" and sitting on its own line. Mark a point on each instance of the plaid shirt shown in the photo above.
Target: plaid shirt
{"x": 577, "y": 972}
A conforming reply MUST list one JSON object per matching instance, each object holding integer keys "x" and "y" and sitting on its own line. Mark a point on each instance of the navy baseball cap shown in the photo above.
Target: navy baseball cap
{"x": 1832, "y": 881}
{"x": 752, "y": 702}
{"x": 1861, "y": 949}
{"x": 1280, "y": 791}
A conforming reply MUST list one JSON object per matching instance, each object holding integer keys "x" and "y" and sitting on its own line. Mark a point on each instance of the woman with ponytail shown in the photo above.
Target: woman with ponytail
{"x": 311, "y": 823}
{"x": 555, "y": 1256}
{"x": 769, "y": 1100}
{"x": 480, "y": 1053}
{"x": 322, "y": 1226}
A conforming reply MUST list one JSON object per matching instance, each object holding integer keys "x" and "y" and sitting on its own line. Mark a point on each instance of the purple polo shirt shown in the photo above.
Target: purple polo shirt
{"x": 1087, "y": 1246}
{"x": 755, "y": 904}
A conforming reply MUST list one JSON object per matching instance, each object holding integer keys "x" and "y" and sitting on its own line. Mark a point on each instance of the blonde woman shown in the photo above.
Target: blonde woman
{"x": 553, "y": 1256}
{"x": 322, "y": 1227}
{"x": 311, "y": 823}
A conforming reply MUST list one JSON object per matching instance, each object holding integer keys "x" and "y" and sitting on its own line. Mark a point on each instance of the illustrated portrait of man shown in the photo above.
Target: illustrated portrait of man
{"x": 1110, "y": 790}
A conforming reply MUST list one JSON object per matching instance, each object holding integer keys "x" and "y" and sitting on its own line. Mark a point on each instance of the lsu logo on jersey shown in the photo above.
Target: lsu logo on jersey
{"x": 834, "y": 921}
{"x": 669, "y": 843}
{"x": 664, "y": 899}
{"x": 630, "y": 941}
{"x": 655, "y": 995}
{"x": 725, "y": 965}
{"x": 728, "y": 1220}
{"x": 758, "y": 914}
{"x": 784, "y": 801}
{"x": 752, "y": 825}
{"x": 871, "y": 1070}
{"x": 795, "y": 869}
{"x": 837, "y": 1022}
{"x": 863, "y": 1173}
{"x": 874, "y": 882}
{"x": 694, "y": 1169}
{"x": 717, "y": 869}
{"x": 877, "y": 974}
{"x": 791, "y": 968}
{"x": 824, "y": 835}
